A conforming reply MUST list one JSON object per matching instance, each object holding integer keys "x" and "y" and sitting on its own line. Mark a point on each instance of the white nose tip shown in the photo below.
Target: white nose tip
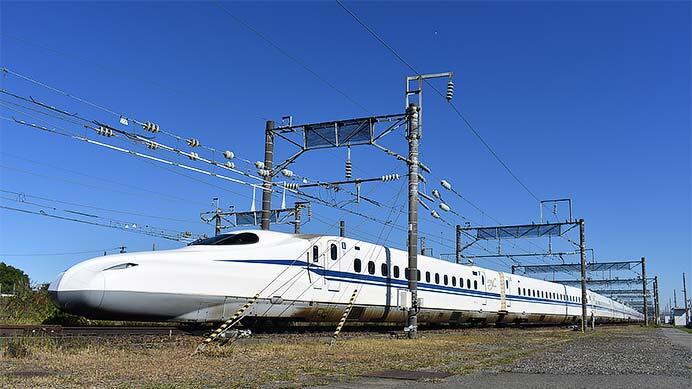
{"x": 79, "y": 292}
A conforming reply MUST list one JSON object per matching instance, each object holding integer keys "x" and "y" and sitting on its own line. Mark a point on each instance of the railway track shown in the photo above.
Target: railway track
{"x": 9, "y": 331}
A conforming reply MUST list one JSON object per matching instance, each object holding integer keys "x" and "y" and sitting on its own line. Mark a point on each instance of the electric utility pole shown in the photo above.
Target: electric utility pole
{"x": 582, "y": 252}
{"x": 267, "y": 184}
{"x": 684, "y": 295}
{"x": 412, "y": 136}
{"x": 646, "y": 307}
{"x": 458, "y": 244}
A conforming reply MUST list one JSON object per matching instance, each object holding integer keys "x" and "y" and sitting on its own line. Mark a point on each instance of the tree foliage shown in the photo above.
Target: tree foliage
{"x": 11, "y": 278}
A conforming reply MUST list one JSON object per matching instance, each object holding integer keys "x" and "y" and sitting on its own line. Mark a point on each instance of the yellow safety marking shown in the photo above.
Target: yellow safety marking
{"x": 347, "y": 311}
{"x": 233, "y": 320}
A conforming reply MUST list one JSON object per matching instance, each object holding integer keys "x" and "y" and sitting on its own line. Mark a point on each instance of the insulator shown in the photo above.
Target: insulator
{"x": 264, "y": 172}
{"x": 229, "y": 165}
{"x": 228, "y": 154}
{"x": 124, "y": 121}
{"x": 445, "y": 207}
{"x": 152, "y": 145}
{"x": 450, "y": 90}
{"x": 435, "y": 214}
{"x": 424, "y": 205}
{"x": 105, "y": 131}
{"x": 425, "y": 196}
{"x": 291, "y": 185}
{"x": 436, "y": 193}
{"x": 192, "y": 142}
{"x": 151, "y": 127}
{"x": 259, "y": 165}
{"x": 390, "y": 177}
{"x": 446, "y": 185}
{"x": 287, "y": 172}
{"x": 422, "y": 178}
{"x": 424, "y": 167}
{"x": 193, "y": 156}
{"x": 349, "y": 169}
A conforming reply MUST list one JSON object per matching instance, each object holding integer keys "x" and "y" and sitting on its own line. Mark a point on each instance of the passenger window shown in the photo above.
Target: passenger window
{"x": 427, "y": 276}
{"x": 371, "y": 267}
{"x": 524, "y": 292}
{"x": 475, "y": 284}
{"x": 384, "y": 269}
{"x": 356, "y": 265}
{"x": 483, "y": 280}
{"x": 507, "y": 284}
{"x": 454, "y": 281}
{"x": 334, "y": 251}
{"x": 406, "y": 273}
{"x": 437, "y": 278}
{"x": 468, "y": 283}
{"x": 446, "y": 279}
{"x": 315, "y": 254}
{"x": 396, "y": 271}
{"x": 417, "y": 275}
{"x": 461, "y": 282}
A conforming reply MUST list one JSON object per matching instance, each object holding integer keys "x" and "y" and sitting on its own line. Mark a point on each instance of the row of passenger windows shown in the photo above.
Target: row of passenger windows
{"x": 357, "y": 267}
{"x": 396, "y": 273}
{"x": 547, "y": 295}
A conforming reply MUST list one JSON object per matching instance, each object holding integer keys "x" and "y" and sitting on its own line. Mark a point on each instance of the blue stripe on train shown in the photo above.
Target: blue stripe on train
{"x": 335, "y": 275}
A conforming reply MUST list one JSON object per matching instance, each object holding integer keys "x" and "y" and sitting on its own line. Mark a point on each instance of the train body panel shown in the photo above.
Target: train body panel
{"x": 311, "y": 278}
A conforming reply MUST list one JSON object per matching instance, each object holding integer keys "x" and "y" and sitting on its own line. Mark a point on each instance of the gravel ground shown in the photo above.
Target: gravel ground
{"x": 612, "y": 357}
{"x": 617, "y": 351}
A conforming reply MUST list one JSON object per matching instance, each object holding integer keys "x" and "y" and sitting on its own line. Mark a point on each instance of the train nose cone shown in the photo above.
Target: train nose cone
{"x": 53, "y": 289}
{"x": 78, "y": 292}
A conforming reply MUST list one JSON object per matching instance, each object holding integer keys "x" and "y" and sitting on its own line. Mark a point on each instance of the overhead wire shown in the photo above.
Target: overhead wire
{"x": 156, "y": 232}
{"x": 293, "y": 58}
{"x": 22, "y": 195}
{"x": 451, "y": 104}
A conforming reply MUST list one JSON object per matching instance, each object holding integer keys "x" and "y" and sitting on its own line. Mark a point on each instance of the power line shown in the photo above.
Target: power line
{"x": 117, "y": 71}
{"x": 292, "y": 58}
{"x": 22, "y": 195}
{"x": 115, "y": 224}
{"x": 452, "y": 104}
{"x": 59, "y": 254}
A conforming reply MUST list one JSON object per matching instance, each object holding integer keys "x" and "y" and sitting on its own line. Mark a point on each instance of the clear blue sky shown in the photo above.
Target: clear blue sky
{"x": 583, "y": 100}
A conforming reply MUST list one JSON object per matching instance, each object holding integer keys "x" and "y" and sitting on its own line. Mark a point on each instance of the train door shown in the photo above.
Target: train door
{"x": 317, "y": 265}
{"x": 332, "y": 265}
{"x": 508, "y": 289}
{"x": 484, "y": 289}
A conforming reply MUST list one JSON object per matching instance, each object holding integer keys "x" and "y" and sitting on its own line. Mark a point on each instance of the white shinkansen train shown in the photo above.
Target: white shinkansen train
{"x": 311, "y": 278}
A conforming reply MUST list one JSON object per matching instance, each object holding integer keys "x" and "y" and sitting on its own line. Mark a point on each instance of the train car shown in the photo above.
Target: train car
{"x": 311, "y": 278}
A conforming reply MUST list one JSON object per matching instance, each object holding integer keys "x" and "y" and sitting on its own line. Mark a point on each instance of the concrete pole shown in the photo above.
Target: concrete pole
{"x": 412, "y": 137}
{"x": 458, "y": 245}
{"x": 675, "y": 298}
{"x": 646, "y": 307}
{"x": 582, "y": 251}
{"x": 657, "y": 312}
{"x": 342, "y": 228}
{"x": 296, "y": 215}
{"x": 267, "y": 184}
{"x": 684, "y": 296}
